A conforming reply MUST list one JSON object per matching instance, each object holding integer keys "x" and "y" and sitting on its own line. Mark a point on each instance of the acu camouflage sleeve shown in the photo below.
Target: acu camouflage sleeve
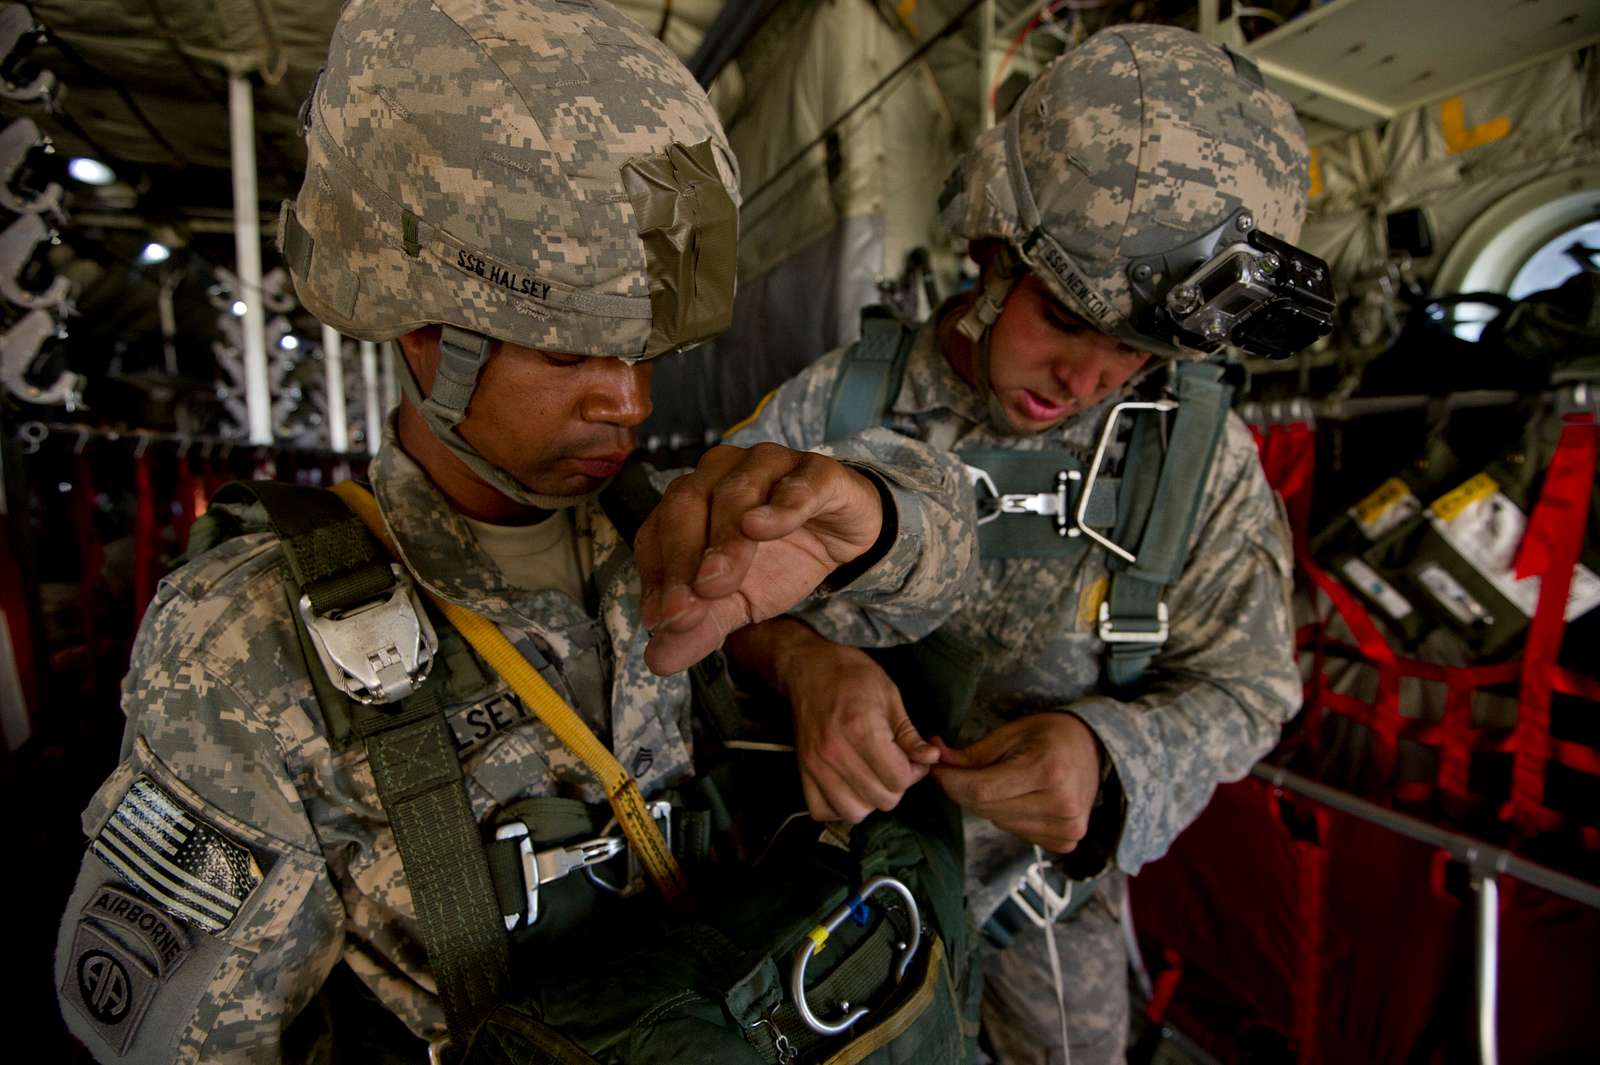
{"x": 203, "y": 919}
{"x": 1226, "y": 680}
{"x": 932, "y": 563}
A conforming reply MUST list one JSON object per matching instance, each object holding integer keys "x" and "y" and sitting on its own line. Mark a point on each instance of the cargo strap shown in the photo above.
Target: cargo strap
{"x": 1160, "y": 517}
{"x": 621, "y": 790}
{"x": 334, "y": 564}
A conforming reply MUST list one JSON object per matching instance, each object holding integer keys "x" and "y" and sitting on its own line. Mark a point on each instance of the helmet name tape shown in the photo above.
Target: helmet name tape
{"x": 1042, "y": 249}
{"x": 500, "y": 275}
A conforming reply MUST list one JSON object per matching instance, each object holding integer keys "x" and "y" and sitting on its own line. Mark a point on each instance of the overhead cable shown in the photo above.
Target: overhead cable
{"x": 921, "y": 50}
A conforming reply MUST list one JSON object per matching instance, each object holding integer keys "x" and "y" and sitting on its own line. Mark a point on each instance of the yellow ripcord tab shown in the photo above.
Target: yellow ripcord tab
{"x": 644, "y": 835}
{"x": 819, "y": 936}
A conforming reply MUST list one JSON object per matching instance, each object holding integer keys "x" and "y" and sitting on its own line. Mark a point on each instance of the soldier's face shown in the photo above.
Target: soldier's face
{"x": 1046, "y": 364}
{"x": 560, "y": 424}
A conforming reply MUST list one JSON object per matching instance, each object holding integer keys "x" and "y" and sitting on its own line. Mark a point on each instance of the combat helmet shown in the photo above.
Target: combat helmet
{"x": 1156, "y": 186}
{"x": 543, "y": 172}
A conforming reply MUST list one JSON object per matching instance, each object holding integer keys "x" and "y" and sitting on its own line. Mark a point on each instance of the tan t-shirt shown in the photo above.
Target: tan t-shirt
{"x": 536, "y": 557}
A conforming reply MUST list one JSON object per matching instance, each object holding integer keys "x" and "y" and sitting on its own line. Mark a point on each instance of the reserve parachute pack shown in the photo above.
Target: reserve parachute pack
{"x": 1049, "y": 503}
{"x": 799, "y": 943}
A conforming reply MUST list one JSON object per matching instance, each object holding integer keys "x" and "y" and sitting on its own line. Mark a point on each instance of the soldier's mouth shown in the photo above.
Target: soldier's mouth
{"x": 1039, "y": 409}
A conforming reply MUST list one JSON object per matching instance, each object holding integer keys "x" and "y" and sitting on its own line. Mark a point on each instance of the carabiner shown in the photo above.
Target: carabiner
{"x": 819, "y": 936}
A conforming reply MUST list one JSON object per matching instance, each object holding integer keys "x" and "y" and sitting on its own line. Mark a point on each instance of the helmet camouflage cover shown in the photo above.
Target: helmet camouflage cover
{"x": 541, "y": 172}
{"x": 1131, "y": 145}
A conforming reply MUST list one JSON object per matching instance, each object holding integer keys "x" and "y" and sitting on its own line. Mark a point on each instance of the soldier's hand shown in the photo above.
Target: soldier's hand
{"x": 744, "y": 537}
{"x": 858, "y": 750}
{"x": 1035, "y": 777}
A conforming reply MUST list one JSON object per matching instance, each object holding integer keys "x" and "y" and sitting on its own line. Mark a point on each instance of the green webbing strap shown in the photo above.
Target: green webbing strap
{"x": 420, "y": 786}
{"x": 332, "y": 558}
{"x": 869, "y": 375}
{"x": 1015, "y": 472}
{"x": 336, "y": 563}
{"x": 1161, "y": 520}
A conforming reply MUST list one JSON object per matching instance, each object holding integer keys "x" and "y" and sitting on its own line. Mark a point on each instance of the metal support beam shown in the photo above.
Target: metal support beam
{"x": 1488, "y": 889}
{"x": 247, "y": 245}
{"x": 370, "y": 387}
{"x": 986, "y": 65}
{"x": 1483, "y": 860}
{"x": 333, "y": 375}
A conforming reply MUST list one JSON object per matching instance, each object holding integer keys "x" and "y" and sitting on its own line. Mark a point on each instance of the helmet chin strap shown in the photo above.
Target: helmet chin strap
{"x": 977, "y": 325}
{"x": 442, "y": 417}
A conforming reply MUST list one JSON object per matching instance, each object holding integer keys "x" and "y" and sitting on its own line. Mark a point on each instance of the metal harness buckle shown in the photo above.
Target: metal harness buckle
{"x": 819, "y": 936}
{"x": 1109, "y": 633}
{"x": 1046, "y": 504}
{"x": 553, "y": 863}
{"x": 1044, "y": 893}
{"x": 377, "y": 652}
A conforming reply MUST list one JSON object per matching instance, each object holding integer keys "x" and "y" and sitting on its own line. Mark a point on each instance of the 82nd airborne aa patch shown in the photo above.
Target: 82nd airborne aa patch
{"x": 191, "y": 869}
{"x": 125, "y": 948}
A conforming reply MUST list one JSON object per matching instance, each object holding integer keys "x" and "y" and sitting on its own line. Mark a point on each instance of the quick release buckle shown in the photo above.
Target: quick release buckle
{"x": 1109, "y": 633}
{"x": 1046, "y": 504}
{"x": 379, "y": 651}
{"x": 552, "y": 863}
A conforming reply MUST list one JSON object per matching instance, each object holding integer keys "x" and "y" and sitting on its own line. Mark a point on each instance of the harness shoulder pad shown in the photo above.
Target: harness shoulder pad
{"x": 869, "y": 374}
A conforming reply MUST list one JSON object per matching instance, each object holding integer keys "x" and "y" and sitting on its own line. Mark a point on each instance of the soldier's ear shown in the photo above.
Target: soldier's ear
{"x": 420, "y": 349}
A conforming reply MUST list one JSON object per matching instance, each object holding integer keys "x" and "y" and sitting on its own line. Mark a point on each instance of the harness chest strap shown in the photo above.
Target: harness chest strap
{"x": 633, "y": 815}
{"x": 333, "y": 566}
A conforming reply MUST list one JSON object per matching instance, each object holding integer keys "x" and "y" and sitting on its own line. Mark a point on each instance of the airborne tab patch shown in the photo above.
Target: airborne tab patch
{"x": 191, "y": 869}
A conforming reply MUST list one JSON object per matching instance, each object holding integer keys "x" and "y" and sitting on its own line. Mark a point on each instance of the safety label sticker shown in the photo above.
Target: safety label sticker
{"x": 1486, "y": 528}
{"x": 1385, "y": 509}
{"x": 190, "y": 868}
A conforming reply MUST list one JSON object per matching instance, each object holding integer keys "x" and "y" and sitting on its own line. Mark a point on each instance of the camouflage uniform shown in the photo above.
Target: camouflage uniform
{"x": 223, "y": 719}
{"x": 542, "y": 172}
{"x": 1224, "y": 682}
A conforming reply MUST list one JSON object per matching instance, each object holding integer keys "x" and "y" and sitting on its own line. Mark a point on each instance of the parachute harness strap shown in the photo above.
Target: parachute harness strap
{"x": 621, "y": 790}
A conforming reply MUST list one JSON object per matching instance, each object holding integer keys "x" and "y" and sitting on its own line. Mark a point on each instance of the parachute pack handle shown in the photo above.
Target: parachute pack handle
{"x": 621, "y": 790}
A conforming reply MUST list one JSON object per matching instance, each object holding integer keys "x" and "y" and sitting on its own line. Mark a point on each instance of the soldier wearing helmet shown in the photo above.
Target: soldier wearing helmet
{"x": 1132, "y": 215}
{"x": 534, "y": 199}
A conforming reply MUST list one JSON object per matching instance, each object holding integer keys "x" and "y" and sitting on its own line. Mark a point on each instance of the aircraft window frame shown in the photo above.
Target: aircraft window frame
{"x": 1496, "y": 250}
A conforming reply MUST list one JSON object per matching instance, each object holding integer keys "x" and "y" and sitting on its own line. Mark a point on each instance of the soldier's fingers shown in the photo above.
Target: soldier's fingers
{"x": 816, "y": 803}
{"x": 840, "y": 795}
{"x": 818, "y": 486}
{"x": 673, "y": 538}
{"x": 892, "y": 772}
{"x": 741, "y": 488}
{"x": 986, "y": 786}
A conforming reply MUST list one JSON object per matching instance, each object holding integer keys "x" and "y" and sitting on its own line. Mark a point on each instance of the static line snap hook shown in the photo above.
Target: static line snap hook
{"x": 818, "y": 936}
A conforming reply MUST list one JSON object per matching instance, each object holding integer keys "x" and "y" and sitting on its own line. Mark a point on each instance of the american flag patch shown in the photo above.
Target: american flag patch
{"x": 193, "y": 870}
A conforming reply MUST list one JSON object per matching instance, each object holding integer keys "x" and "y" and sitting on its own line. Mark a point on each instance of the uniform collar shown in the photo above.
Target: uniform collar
{"x": 435, "y": 543}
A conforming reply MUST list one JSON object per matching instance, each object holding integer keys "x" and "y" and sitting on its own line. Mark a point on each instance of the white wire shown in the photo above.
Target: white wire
{"x": 1050, "y": 915}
